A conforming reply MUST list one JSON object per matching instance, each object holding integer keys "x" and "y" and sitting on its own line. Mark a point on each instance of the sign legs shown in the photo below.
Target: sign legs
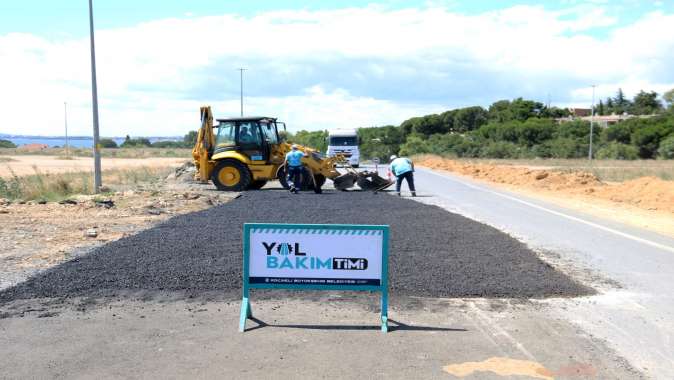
{"x": 246, "y": 312}
{"x": 384, "y": 311}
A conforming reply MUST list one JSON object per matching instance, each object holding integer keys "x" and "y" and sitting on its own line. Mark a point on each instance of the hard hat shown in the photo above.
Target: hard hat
{"x": 293, "y": 147}
{"x": 393, "y": 157}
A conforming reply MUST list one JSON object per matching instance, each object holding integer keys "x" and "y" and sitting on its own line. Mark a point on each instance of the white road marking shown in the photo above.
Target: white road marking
{"x": 570, "y": 217}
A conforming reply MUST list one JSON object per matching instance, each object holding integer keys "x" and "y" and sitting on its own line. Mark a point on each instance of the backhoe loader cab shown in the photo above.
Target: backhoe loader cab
{"x": 254, "y": 136}
{"x": 246, "y": 152}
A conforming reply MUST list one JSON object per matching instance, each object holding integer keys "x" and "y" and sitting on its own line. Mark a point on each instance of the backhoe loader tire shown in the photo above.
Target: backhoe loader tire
{"x": 257, "y": 185}
{"x": 231, "y": 175}
{"x": 307, "y": 183}
{"x": 282, "y": 176}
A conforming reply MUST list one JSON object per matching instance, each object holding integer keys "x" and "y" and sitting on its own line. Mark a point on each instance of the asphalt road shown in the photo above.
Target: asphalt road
{"x": 636, "y": 317}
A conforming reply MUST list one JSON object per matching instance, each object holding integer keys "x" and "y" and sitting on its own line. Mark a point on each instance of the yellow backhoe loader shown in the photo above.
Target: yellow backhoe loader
{"x": 244, "y": 153}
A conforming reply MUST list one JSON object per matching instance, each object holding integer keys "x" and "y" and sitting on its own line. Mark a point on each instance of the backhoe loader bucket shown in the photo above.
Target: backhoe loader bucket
{"x": 345, "y": 181}
{"x": 372, "y": 181}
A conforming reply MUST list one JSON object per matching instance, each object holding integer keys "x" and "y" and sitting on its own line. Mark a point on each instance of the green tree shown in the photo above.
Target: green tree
{"x": 7, "y": 144}
{"x": 555, "y": 113}
{"x": 469, "y": 119}
{"x": 500, "y": 111}
{"x": 599, "y": 110}
{"x": 380, "y": 142}
{"x": 610, "y": 107}
{"x": 426, "y": 125}
{"x": 315, "y": 139}
{"x": 519, "y": 109}
{"x": 645, "y": 103}
{"x": 621, "y": 103}
{"x": 190, "y": 139}
{"x": 107, "y": 143}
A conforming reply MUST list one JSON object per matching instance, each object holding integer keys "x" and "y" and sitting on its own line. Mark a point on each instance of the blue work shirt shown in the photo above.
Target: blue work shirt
{"x": 294, "y": 158}
{"x": 400, "y": 166}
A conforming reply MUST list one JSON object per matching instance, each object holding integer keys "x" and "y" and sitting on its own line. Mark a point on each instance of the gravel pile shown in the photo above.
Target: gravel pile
{"x": 433, "y": 253}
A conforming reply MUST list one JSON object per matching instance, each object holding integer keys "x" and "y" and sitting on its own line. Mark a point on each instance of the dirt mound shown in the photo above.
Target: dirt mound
{"x": 183, "y": 173}
{"x": 649, "y": 193}
{"x": 552, "y": 180}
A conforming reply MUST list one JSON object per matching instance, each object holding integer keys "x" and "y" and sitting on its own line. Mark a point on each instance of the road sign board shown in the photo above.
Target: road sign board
{"x": 315, "y": 256}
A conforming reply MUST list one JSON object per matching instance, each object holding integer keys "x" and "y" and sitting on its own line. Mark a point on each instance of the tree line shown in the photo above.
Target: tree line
{"x": 523, "y": 128}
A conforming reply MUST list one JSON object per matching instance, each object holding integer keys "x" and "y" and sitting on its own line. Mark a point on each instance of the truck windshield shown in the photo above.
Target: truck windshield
{"x": 343, "y": 141}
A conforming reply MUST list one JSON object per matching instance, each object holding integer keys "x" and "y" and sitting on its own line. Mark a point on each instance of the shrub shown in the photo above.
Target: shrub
{"x": 7, "y": 144}
{"x": 107, "y": 143}
{"x": 567, "y": 148}
{"x": 414, "y": 145}
{"x": 666, "y": 149}
{"x": 618, "y": 151}
{"x": 648, "y": 138}
{"x": 168, "y": 144}
{"x": 135, "y": 143}
{"x": 500, "y": 149}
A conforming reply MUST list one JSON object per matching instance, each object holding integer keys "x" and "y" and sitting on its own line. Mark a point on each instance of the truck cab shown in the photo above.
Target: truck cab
{"x": 344, "y": 142}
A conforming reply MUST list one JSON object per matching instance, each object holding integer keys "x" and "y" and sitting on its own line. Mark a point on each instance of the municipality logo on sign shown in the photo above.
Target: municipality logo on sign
{"x": 290, "y": 256}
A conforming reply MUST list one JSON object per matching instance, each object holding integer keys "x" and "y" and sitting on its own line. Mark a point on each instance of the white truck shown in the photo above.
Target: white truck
{"x": 345, "y": 142}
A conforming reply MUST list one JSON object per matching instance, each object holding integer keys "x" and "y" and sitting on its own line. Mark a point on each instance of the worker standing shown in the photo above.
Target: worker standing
{"x": 295, "y": 168}
{"x": 403, "y": 169}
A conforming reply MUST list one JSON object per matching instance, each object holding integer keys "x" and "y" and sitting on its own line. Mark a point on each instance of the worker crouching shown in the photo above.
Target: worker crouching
{"x": 403, "y": 169}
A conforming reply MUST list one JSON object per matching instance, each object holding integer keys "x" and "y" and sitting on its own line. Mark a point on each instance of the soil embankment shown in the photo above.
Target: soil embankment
{"x": 646, "y": 202}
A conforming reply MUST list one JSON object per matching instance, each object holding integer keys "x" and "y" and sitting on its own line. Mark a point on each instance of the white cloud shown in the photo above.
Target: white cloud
{"x": 316, "y": 69}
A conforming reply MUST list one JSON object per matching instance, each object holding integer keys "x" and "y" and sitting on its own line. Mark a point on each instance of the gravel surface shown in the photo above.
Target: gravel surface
{"x": 433, "y": 253}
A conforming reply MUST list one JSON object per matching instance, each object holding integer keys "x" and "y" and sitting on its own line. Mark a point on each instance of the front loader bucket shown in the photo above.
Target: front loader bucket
{"x": 372, "y": 181}
{"x": 345, "y": 181}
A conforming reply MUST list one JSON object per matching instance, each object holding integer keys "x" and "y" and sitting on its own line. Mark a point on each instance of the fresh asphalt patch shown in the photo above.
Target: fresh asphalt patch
{"x": 433, "y": 253}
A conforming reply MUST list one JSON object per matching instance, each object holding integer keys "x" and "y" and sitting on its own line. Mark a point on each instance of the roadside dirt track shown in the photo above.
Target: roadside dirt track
{"x": 27, "y": 165}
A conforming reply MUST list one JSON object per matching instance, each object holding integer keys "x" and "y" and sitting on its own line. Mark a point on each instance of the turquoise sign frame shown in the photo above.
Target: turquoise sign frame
{"x": 246, "y": 310}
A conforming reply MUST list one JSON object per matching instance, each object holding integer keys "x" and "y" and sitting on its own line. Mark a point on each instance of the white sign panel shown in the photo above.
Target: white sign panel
{"x": 315, "y": 256}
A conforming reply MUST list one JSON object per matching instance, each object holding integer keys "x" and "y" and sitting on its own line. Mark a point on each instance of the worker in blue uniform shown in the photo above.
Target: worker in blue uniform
{"x": 403, "y": 169}
{"x": 293, "y": 163}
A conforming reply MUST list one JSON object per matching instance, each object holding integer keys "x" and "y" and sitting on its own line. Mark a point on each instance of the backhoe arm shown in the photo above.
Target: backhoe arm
{"x": 204, "y": 146}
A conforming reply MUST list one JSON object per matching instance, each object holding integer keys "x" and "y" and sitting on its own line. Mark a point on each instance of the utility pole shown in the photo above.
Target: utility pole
{"x": 65, "y": 118}
{"x": 589, "y": 155}
{"x": 94, "y": 99}
{"x": 241, "y": 70}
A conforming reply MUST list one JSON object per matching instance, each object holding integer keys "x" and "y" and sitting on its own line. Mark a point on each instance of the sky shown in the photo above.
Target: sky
{"x": 317, "y": 65}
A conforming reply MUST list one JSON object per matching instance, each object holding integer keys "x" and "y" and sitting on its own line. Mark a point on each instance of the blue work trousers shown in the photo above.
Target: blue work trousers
{"x": 295, "y": 176}
{"x": 409, "y": 176}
